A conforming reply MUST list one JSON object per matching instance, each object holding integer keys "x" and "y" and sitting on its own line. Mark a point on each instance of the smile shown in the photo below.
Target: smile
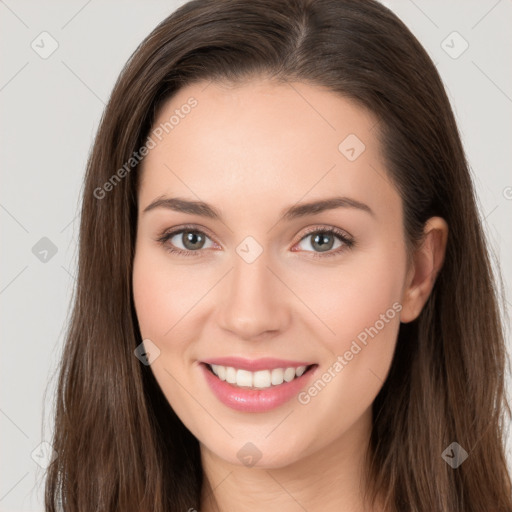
{"x": 257, "y": 380}
{"x": 256, "y": 391}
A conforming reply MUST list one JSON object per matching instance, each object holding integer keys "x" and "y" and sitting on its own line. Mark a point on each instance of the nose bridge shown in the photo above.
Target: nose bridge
{"x": 253, "y": 303}
{"x": 250, "y": 278}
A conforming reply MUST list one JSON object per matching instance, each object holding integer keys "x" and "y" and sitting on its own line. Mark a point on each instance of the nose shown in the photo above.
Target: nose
{"x": 254, "y": 303}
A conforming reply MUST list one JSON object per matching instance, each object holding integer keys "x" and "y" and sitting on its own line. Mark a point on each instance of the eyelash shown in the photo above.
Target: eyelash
{"x": 347, "y": 241}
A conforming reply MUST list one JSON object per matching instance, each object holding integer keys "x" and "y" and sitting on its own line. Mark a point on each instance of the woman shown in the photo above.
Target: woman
{"x": 284, "y": 299}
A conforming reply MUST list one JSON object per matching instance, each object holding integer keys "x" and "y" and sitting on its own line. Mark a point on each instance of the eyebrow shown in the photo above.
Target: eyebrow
{"x": 299, "y": 210}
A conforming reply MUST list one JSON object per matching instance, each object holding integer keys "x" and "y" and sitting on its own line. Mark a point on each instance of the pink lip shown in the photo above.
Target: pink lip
{"x": 266, "y": 363}
{"x": 256, "y": 400}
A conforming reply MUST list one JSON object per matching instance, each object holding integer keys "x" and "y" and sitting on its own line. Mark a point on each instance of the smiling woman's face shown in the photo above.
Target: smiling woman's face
{"x": 255, "y": 283}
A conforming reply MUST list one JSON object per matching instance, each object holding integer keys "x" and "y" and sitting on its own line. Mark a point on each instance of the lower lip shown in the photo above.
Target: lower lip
{"x": 255, "y": 400}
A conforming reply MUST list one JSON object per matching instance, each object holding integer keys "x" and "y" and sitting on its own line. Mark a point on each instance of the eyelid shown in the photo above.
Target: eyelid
{"x": 169, "y": 233}
{"x": 346, "y": 238}
{"x": 325, "y": 228}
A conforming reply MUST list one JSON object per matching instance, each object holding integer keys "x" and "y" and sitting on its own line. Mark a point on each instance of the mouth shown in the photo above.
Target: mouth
{"x": 257, "y": 380}
{"x": 257, "y": 391}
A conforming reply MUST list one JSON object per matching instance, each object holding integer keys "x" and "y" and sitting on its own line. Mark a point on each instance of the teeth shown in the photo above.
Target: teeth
{"x": 300, "y": 370}
{"x": 260, "y": 379}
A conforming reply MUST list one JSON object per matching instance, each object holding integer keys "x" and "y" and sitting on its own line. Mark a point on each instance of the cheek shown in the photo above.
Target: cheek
{"x": 161, "y": 306}
{"x": 352, "y": 298}
{"x": 151, "y": 298}
{"x": 363, "y": 309}
{"x": 163, "y": 293}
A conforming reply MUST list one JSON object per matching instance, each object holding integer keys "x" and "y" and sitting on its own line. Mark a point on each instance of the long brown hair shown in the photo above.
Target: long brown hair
{"x": 120, "y": 445}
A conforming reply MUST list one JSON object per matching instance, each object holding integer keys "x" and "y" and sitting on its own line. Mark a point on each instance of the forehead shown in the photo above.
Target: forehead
{"x": 266, "y": 142}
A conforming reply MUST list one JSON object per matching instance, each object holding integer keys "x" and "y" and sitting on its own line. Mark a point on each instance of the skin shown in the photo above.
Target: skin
{"x": 252, "y": 150}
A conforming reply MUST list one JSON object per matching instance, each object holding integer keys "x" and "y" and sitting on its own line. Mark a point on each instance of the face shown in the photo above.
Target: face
{"x": 320, "y": 287}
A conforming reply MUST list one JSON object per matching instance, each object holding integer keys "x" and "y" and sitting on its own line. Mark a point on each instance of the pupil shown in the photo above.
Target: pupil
{"x": 323, "y": 242}
{"x": 192, "y": 239}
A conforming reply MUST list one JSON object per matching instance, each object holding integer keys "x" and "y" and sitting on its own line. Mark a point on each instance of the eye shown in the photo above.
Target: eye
{"x": 189, "y": 241}
{"x": 184, "y": 241}
{"x": 323, "y": 240}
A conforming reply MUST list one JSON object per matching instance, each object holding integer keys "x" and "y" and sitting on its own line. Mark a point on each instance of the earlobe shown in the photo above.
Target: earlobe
{"x": 425, "y": 266}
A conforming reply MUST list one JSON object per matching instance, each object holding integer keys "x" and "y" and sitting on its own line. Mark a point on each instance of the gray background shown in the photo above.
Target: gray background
{"x": 51, "y": 108}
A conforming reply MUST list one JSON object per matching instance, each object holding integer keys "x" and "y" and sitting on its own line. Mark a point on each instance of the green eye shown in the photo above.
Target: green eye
{"x": 193, "y": 241}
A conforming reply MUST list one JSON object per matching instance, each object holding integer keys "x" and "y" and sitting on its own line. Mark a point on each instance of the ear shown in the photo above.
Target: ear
{"x": 426, "y": 263}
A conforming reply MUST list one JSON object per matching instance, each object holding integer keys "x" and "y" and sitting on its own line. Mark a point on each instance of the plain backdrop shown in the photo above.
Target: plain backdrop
{"x": 51, "y": 104}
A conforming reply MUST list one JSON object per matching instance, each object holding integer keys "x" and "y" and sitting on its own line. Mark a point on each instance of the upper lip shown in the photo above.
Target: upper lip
{"x": 252, "y": 365}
